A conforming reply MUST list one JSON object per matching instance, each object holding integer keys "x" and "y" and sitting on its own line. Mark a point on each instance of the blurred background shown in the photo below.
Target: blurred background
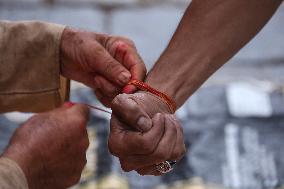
{"x": 233, "y": 125}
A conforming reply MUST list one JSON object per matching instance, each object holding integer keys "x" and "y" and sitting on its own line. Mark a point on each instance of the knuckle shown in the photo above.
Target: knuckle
{"x": 98, "y": 50}
{"x": 128, "y": 41}
{"x": 125, "y": 40}
{"x": 118, "y": 101}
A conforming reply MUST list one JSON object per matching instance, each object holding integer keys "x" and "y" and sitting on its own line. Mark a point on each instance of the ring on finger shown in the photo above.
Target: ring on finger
{"x": 165, "y": 167}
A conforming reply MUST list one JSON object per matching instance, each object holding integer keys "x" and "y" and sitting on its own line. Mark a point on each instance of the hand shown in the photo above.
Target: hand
{"x": 102, "y": 62}
{"x": 143, "y": 151}
{"x": 140, "y": 136}
{"x": 51, "y": 147}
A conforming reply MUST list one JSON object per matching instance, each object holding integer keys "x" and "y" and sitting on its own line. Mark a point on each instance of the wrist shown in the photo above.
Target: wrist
{"x": 167, "y": 84}
{"x": 182, "y": 79}
{"x": 162, "y": 96}
{"x": 65, "y": 49}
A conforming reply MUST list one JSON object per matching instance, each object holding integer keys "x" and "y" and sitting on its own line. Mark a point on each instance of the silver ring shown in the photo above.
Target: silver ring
{"x": 165, "y": 167}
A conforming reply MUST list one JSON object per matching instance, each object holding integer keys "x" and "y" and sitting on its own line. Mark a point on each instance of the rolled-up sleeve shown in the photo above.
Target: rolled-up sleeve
{"x": 30, "y": 78}
{"x": 11, "y": 175}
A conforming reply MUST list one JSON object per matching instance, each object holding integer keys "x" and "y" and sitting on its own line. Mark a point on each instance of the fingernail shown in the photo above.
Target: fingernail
{"x": 144, "y": 124}
{"x": 69, "y": 104}
{"x": 124, "y": 77}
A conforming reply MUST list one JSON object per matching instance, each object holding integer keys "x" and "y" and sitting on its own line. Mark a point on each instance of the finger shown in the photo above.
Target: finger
{"x": 179, "y": 149}
{"x": 81, "y": 110}
{"x": 76, "y": 118}
{"x": 125, "y": 142}
{"x": 137, "y": 68}
{"x": 109, "y": 68}
{"x": 125, "y": 52}
{"x": 118, "y": 46}
{"x": 121, "y": 50}
{"x": 80, "y": 113}
{"x": 106, "y": 101}
{"x": 163, "y": 151}
{"x": 132, "y": 113}
{"x": 108, "y": 88}
{"x": 149, "y": 170}
{"x": 130, "y": 58}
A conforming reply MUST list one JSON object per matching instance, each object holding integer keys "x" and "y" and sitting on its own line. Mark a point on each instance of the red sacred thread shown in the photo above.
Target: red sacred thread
{"x": 143, "y": 86}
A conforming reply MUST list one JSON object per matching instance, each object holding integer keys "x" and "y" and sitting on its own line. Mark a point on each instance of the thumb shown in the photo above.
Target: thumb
{"x": 80, "y": 110}
{"x": 131, "y": 113}
{"x": 63, "y": 107}
{"x": 76, "y": 109}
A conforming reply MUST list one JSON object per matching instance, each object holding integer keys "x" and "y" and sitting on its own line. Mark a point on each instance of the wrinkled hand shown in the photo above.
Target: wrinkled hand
{"x": 102, "y": 62}
{"x": 143, "y": 133}
{"x": 51, "y": 147}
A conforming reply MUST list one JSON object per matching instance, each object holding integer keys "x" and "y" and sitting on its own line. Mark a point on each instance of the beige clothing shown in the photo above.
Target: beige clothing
{"x": 29, "y": 67}
{"x": 29, "y": 79}
{"x": 11, "y": 175}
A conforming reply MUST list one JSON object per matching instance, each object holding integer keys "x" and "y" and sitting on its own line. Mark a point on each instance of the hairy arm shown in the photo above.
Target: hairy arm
{"x": 209, "y": 34}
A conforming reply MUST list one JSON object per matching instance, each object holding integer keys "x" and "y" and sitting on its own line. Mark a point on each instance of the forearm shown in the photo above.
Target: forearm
{"x": 210, "y": 33}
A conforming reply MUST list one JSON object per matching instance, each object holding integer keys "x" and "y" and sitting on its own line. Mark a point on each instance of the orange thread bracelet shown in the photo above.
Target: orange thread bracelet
{"x": 143, "y": 86}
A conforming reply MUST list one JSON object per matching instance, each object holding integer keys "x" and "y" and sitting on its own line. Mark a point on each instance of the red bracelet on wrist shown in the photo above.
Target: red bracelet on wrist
{"x": 143, "y": 86}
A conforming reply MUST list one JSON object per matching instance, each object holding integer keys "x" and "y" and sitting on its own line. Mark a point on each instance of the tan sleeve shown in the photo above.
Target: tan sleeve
{"x": 11, "y": 175}
{"x": 30, "y": 78}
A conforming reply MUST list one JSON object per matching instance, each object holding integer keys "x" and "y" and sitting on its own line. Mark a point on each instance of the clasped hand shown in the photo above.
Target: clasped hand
{"x": 51, "y": 147}
{"x": 143, "y": 133}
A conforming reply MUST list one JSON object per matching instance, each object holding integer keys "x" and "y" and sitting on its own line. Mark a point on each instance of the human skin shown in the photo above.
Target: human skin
{"x": 50, "y": 148}
{"x": 103, "y": 62}
{"x": 209, "y": 34}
